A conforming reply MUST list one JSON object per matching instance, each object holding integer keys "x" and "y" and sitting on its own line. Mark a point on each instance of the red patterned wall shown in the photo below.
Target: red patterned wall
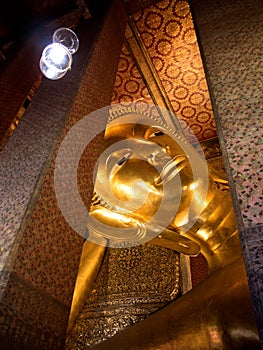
{"x": 168, "y": 33}
{"x": 129, "y": 85}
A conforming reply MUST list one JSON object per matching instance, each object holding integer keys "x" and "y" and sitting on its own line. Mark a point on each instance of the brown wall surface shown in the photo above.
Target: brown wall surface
{"x": 41, "y": 251}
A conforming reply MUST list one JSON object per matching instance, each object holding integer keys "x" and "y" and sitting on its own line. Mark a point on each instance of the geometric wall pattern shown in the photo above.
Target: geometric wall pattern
{"x": 168, "y": 34}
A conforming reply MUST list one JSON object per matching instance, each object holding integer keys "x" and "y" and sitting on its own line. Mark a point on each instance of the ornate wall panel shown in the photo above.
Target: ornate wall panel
{"x": 167, "y": 32}
{"x": 132, "y": 283}
{"x": 129, "y": 86}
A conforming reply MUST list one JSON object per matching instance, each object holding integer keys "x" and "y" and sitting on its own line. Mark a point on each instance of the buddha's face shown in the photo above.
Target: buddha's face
{"x": 145, "y": 169}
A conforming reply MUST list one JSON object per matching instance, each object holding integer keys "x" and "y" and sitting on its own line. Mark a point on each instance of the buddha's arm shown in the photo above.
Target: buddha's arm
{"x": 168, "y": 238}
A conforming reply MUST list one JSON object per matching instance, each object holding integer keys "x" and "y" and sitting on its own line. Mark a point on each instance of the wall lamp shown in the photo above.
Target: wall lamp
{"x": 56, "y": 58}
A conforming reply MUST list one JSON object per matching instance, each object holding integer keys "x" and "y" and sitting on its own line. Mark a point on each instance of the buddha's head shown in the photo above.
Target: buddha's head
{"x": 148, "y": 177}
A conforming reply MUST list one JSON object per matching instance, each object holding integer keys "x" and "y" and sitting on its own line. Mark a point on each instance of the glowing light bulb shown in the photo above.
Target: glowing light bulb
{"x": 55, "y": 61}
{"x": 56, "y": 58}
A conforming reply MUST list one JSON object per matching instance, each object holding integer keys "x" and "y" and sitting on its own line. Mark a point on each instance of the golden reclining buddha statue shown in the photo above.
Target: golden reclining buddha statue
{"x": 153, "y": 187}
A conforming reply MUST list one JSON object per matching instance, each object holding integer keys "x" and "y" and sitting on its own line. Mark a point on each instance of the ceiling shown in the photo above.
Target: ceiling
{"x": 160, "y": 61}
{"x": 20, "y": 16}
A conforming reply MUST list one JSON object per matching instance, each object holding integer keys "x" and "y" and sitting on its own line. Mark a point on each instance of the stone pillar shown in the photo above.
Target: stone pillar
{"x": 230, "y": 35}
{"x": 41, "y": 252}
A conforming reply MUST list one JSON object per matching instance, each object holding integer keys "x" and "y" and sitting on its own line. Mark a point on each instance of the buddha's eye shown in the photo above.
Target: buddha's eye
{"x": 122, "y": 160}
{"x": 158, "y": 133}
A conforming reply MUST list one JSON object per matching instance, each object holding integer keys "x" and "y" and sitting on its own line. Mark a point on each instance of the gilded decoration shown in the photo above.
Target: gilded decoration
{"x": 132, "y": 283}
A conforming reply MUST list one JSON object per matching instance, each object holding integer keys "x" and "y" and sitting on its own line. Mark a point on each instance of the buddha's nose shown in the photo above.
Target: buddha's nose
{"x": 170, "y": 170}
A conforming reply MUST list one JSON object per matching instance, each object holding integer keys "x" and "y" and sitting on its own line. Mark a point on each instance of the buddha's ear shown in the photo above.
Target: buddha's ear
{"x": 173, "y": 240}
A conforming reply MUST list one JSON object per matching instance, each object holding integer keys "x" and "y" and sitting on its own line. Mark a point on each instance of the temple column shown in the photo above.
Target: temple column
{"x": 40, "y": 251}
{"x": 230, "y": 36}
